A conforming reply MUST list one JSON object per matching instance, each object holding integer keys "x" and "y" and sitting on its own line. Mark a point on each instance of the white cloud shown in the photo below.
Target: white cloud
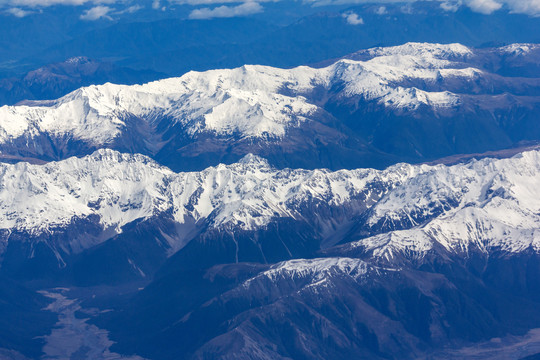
{"x": 530, "y": 7}
{"x": 346, "y": 2}
{"x": 381, "y": 10}
{"x": 35, "y": 3}
{"x": 224, "y": 11}
{"x": 451, "y": 6}
{"x": 45, "y": 3}
{"x": 130, "y": 10}
{"x": 407, "y": 9}
{"x": 353, "y": 19}
{"x": 218, "y": 2}
{"x": 484, "y": 6}
{"x": 230, "y": 8}
{"x": 525, "y": 6}
{"x": 20, "y": 13}
{"x": 97, "y": 12}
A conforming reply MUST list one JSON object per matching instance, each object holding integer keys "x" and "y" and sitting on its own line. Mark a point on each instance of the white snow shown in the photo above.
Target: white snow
{"x": 314, "y": 275}
{"x": 519, "y": 49}
{"x": 489, "y": 203}
{"x": 318, "y": 268}
{"x": 426, "y": 49}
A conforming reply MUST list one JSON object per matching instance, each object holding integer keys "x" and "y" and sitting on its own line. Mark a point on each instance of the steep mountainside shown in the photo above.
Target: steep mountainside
{"x": 70, "y": 206}
{"x": 433, "y": 255}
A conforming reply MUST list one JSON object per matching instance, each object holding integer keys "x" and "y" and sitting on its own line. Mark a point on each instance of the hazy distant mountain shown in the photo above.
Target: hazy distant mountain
{"x": 284, "y": 35}
{"x": 55, "y": 80}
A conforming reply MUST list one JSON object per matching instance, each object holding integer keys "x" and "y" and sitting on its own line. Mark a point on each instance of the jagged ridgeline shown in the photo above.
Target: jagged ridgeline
{"x": 263, "y": 213}
{"x": 252, "y": 212}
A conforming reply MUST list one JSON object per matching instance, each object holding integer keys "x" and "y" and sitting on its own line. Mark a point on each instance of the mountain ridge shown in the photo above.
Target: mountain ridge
{"x": 353, "y": 113}
{"x": 408, "y": 209}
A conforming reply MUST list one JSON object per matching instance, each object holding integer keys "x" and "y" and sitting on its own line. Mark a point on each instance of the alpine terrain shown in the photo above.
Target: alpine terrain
{"x": 382, "y": 205}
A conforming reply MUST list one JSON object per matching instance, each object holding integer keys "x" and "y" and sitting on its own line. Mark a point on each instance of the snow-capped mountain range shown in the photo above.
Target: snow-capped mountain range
{"x": 345, "y": 110}
{"x": 486, "y": 205}
{"x": 122, "y": 188}
{"x": 252, "y": 101}
{"x": 233, "y": 200}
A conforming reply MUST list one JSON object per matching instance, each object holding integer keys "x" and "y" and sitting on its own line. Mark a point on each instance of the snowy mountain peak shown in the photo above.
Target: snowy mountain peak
{"x": 520, "y": 49}
{"x": 78, "y": 60}
{"x": 251, "y": 160}
{"x": 415, "y": 49}
{"x": 316, "y": 271}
